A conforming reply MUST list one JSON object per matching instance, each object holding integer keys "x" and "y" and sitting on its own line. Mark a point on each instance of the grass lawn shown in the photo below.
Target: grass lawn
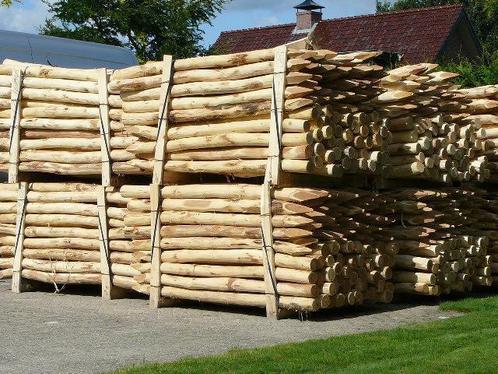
{"x": 464, "y": 344}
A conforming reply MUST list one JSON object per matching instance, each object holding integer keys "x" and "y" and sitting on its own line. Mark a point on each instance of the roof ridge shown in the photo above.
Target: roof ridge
{"x": 396, "y": 12}
{"x": 260, "y": 28}
{"x": 350, "y": 17}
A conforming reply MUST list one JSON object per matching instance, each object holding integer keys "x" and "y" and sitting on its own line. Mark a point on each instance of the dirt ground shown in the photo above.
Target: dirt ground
{"x": 42, "y": 332}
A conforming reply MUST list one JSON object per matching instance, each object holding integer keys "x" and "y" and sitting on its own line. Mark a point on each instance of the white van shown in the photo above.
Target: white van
{"x": 68, "y": 53}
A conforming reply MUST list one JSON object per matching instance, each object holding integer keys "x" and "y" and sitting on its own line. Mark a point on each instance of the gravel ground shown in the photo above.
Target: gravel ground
{"x": 41, "y": 332}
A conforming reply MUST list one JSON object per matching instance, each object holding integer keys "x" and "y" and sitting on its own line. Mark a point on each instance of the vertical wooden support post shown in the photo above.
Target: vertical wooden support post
{"x": 105, "y": 128}
{"x": 268, "y": 252}
{"x": 156, "y": 300}
{"x": 162, "y": 128}
{"x": 105, "y": 268}
{"x": 272, "y": 178}
{"x": 277, "y": 115}
{"x": 15, "y": 130}
{"x": 155, "y": 271}
{"x": 17, "y": 282}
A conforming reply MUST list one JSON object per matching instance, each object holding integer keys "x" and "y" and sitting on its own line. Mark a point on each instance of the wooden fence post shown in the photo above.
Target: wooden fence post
{"x": 105, "y": 128}
{"x": 272, "y": 179}
{"x": 17, "y": 282}
{"x": 15, "y": 123}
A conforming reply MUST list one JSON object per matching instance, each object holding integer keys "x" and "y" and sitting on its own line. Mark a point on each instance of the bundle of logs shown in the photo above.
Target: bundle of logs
{"x": 5, "y": 111}
{"x": 437, "y": 238}
{"x": 129, "y": 239}
{"x": 55, "y": 119}
{"x": 60, "y": 234}
{"x": 218, "y": 110}
{"x": 212, "y": 249}
{"x": 8, "y": 220}
{"x": 429, "y": 140}
{"x": 479, "y": 110}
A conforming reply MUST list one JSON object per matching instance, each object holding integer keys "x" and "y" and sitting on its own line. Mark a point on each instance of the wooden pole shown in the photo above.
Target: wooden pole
{"x": 277, "y": 114}
{"x": 272, "y": 178}
{"x": 268, "y": 252}
{"x": 109, "y": 291}
{"x": 17, "y": 284}
{"x": 105, "y": 132}
{"x": 158, "y": 172}
{"x": 15, "y": 122}
{"x": 156, "y": 300}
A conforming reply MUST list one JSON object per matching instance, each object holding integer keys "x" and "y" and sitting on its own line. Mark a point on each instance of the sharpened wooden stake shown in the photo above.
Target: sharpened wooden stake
{"x": 17, "y": 283}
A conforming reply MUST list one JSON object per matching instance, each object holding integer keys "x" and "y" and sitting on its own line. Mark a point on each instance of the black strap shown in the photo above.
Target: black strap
{"x": 277, "y": 123}
{"x": 104, "y": 134}
{"x": 23, "y": 217}
{"x": 270, "y": 267}
{"x": 154, "y": 233}
{"x": 165, "y": 103}
{"x": 104, "y": 241}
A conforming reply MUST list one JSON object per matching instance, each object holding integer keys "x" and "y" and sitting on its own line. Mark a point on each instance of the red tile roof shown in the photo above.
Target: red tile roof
{"x": 418, "y": 34}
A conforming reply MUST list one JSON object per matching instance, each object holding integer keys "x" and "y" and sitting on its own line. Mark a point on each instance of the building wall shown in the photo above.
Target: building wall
{"x": 461, "y": 43}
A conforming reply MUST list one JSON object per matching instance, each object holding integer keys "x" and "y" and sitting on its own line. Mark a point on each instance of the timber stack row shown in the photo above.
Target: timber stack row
{"x": 227, "y": 219}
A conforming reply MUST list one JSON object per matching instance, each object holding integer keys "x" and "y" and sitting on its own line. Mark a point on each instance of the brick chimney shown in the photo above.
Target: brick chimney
{"x": 309, "y": 14}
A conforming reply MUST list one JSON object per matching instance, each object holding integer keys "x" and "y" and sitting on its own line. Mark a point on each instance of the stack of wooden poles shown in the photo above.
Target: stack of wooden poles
{"x": 59, "y": 116}
{"x": 61, "y": 234}
{"x": 211, "y": 242}
{"x": 129, "y": 238}
{"x": 8, "y": 220}
{"x": 427, "y": 140}
{"x": 479, "y": 111}
{"x": 219, "y": 114}
{"x": 440, "y": 246}
{"x": 5, "y": 115}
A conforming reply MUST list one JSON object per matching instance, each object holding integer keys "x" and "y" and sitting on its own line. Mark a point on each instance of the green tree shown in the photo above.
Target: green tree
{"x": 151, "y": 28}
{"x": 8, "y": 3}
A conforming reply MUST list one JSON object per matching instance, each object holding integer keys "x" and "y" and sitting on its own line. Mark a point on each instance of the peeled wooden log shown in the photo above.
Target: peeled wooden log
{"x": 60, "y": 168}
{"x": 6, "y": 273}
{"x": 61, "y": 278}
{"x": 245, "y": 126}
{"x": 233, "y": 256}
{"x": 232, "y": 191}
{"x": 60, "y": 232}
{"x": 60, "y": 254}
{"x": 196, "y": 218}
{"x": 230, "y": 298}
{"x": 190, "y": 270}
{"x": 44, "y": 71}
{"x": 231, "y": 206}
{"x": 61, "y": 267}
{"x": 178, "y": 231}
{"x": 62, "y": 243}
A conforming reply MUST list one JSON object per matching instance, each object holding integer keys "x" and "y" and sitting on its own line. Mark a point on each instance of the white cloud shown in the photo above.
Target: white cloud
{"x": 27, "y": 17}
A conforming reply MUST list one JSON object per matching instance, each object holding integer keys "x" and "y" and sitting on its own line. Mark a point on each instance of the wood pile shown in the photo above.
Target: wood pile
{"x": 212, "y": 249}
{"x": 59, "y": 240}
{"x": 5, "y": 111}
{"x": 437, "y": 239}
{"x": 129, "y": 237}
{"x": 219, "y": 110}
{"x": 428, "y": 141}
{"x": 479, "y": 112}
{"x": 8, "y": 219}
{"x": 55, "y": 120}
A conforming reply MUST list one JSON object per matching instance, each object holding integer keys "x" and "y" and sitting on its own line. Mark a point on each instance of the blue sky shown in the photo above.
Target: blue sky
{"x": 29, "y": 15}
